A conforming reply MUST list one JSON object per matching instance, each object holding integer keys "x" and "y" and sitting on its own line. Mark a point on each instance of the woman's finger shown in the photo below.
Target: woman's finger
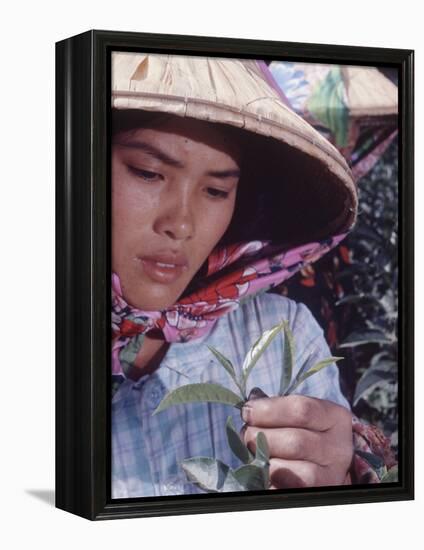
{"x": 294, "y": 444}
{"x": 286, "y": 474}
{"x": 294, "y": 411}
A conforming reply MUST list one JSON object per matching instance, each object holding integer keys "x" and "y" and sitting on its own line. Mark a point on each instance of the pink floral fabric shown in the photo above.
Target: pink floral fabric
{"x": 257, "y": 266}
{"x": 373, "y": 456}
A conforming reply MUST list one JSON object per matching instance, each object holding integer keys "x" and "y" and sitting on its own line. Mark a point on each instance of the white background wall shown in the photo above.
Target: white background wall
{"x": 28, "y": 33}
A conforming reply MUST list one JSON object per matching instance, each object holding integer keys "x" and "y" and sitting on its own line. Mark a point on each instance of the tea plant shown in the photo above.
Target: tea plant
{"x": 370, "y": 308}
{"x": 211, "y": 474}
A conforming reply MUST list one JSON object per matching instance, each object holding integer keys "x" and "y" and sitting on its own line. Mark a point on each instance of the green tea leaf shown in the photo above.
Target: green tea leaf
{"x": 226, "y": 363}
{"x": 262, "y": 449}
{"x": 377, "y": 373}
{"x": 288, "y": 359}
{"x": 321, "y": 365}
{"x": 192, "y": 393}
{"x": 251, "y": 477}
{"x": 257, "y": 350}
{"x": 262, "y": 457}
{"x": 236, "y": 444}
{"x": 365, "y": 337}
{"x": 210, "y": 474}
{"x": 301, "y": 371}
{"x": 316, "y": 368}
{"x": 357, "y": 298}
{"x": 391, "y": 476}
{"x": 374, "y": 461}
{"x": 379, "y": 391}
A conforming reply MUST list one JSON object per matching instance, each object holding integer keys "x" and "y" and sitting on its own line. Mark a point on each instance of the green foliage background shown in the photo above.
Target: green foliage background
{"x": 369, "y": 334}
{"x": 361, "y": 322}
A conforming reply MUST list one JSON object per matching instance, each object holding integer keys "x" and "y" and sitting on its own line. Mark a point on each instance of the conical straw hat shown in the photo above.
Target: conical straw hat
{"x": 369, "y": 93}
{"x": 237, "y": 92}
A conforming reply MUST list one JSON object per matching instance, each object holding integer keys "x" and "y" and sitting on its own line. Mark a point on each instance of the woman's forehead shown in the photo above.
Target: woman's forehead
{"x": 178, "y": 133}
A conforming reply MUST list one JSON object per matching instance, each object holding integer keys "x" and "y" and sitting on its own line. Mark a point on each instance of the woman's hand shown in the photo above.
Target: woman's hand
{"x": 309, "y": 439}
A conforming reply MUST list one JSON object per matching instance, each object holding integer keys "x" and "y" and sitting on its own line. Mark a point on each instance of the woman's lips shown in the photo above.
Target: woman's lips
{"x": 164, "y": 268}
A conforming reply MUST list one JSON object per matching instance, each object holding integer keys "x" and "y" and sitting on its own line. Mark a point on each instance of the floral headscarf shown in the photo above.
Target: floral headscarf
{"x": 257, "y": 267}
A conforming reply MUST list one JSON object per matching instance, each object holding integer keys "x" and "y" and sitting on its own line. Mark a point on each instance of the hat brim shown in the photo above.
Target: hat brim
{"x": 304, "y": 177}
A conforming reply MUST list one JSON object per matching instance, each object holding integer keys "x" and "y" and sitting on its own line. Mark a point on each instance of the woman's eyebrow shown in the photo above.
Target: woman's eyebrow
{"x": 152, "y": 151}
{"x": 234, "y": 173}
{"x": 166, "y": 159}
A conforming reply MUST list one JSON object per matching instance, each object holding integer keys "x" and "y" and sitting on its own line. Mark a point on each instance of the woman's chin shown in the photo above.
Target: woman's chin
{"x": 141, "y": 292}
{"x": 152, "y": 302}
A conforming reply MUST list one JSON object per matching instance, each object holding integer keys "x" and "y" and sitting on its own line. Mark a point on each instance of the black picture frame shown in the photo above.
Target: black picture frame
{"x": 83, "y": 274}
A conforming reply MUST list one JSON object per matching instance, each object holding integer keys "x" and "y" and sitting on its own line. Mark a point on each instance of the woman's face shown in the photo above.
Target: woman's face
{"x": 173, "y": 195}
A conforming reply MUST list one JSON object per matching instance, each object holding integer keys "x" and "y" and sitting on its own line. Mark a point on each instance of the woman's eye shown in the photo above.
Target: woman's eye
{"x": 217, "y": 193}
{"x": 145, "y": 174}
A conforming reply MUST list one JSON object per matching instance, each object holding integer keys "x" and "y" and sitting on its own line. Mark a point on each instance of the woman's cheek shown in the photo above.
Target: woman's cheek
{"x": 225, "y": 213}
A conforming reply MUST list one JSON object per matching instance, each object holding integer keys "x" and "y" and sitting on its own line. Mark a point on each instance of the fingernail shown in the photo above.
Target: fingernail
{"x": 256, "y": 393}
{"x": 246, "y": 413}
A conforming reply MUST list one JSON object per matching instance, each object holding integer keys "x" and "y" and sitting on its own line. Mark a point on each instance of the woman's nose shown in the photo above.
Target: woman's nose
{"x": 175, "y": 221}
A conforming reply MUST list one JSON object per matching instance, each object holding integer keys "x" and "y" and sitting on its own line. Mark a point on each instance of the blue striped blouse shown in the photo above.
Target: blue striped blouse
{"x": 147, "y": 450}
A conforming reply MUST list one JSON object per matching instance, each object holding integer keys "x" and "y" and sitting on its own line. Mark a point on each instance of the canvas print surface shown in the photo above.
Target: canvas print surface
{"x": 254, "y": 275}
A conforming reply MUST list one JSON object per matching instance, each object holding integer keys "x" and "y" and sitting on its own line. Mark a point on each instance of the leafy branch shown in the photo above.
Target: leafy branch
{"x": 211, "y": 474}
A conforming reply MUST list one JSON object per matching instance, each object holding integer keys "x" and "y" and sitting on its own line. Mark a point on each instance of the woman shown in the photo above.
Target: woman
{"x": 206, "y": 217}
